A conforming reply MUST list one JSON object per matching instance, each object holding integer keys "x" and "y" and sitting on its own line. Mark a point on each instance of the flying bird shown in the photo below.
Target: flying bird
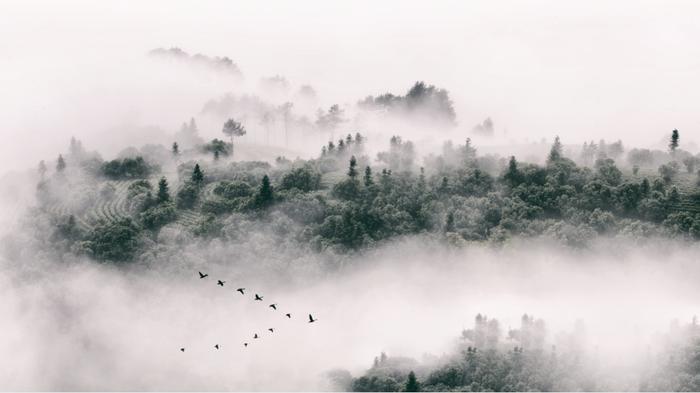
{"x": 245, "y": 344}
{"x": 273, "y": 306}
{"x": 258, "y": 297}
{"x": 288, "y": 315}
{"x": 202, "y": 275}
{"x": 256, "y": 335}
{"x": 241, "y": 290}
{"x": 216, "y": 346}
{"x": 221, "y": 283}
{"x": 271, "y": 330}
{"x": 182, "y": 349}
{"x": 311, "y": 319}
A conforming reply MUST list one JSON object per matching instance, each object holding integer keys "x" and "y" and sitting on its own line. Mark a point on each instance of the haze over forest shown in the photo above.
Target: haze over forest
{"x": 349, "y": 196}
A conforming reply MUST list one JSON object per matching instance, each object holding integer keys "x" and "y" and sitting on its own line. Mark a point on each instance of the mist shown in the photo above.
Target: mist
{"x": 78, "y": 68}
{"x": 92, "y": 327}
{"x": 441, "y": 102}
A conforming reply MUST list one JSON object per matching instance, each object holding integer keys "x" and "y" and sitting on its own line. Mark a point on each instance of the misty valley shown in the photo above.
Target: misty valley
{"x": 451, "y": 202}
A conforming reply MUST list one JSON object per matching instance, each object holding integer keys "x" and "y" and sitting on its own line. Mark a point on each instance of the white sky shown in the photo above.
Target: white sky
{"x": 583, "y": 70}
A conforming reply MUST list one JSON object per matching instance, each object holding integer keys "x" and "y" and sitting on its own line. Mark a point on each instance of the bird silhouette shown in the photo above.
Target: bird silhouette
{"x": 245, "y": 344}
{"x": 271, "y": 330}
{"x": 288, "y": 315}
{"x": 241, "y": 290}
{"x": 202, "y": 275}
{"x": 311, "y": 319}
{"x": 273, "y": 306}
{"x": 182, "y": 349}
{"x": 258, "y": 297}
{"x": 255, "y": 336}
{"x": 221, "y": 283}
{"x": 216, "y": 346}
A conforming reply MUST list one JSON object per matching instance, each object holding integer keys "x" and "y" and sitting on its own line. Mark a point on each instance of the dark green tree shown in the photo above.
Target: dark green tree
{"x": 197, "y": 175}
{"x": 411, "y": 383}
{"x": 512, "y": 175}
{"x": 673, "y": 144}
{"x": 352, "y": 170}
{"x": 264, "y": 197}
{"x": 368, "y": 177}
{"x": 163, "y": 190}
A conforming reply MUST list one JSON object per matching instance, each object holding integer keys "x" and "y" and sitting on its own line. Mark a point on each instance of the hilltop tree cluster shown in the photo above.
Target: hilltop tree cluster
{"x": 344, "y": 201}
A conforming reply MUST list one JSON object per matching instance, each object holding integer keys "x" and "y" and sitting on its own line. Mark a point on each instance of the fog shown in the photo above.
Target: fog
{"x": 581, "y": 71}
{"x": 585, "y": 71}
{"x": 88, "y": 326}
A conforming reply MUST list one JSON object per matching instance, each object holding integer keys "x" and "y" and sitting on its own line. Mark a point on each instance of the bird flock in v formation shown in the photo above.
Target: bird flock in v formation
{"x": 256, "y": 298}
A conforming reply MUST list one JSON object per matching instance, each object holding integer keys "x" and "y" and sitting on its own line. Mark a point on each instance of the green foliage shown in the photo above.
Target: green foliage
{"x": 127, "y": 168}
{"x": 303, "y": 179}
{"x": 187, "y": 195}
{"x": 158, "y": 215}
{"x": 264, "y": 197}
{"x": 163, "y": 190}
{"x": 117, "y": 241}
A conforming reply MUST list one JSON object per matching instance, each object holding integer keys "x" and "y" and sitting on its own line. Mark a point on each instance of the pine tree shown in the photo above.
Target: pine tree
{"x": 175, "y": 149}
{"x": 444, "y": 184}
{"x": 673, "y": 144}
{"x": 555, "y": 152}
{"x": 163, "y": 191}
{"x": 264, "y": 196}
{"x": 352, "y": 171}
{"x": 368, "y": 177}
{"x": 412, "y": 384}
{"x": 450, "y": 222}
{"x": 421, "y": 180}
{"x": 60, "y": 164}
{"x": 197, "y": 175}
{"x": 512, "y": 175}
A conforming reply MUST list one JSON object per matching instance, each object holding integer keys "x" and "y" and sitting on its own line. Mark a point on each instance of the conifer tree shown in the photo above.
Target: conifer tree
{"x": 163, "y": 190}
{"x": 197, "y": 175}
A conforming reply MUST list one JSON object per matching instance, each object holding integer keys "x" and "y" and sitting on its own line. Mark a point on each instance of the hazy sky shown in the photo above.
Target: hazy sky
{"x": 582, "y": 70}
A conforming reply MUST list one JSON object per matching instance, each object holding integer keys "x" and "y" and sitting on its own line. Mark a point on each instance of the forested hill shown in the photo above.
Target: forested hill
{"x": 344, "y": 200}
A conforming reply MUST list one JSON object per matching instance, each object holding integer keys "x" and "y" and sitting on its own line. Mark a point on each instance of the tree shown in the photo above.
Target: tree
{"x": 330, "y": 120}
{"x": 555, "y": 153}
{"x": 175, "y": 150}
{"x": 412, "y": 384}
{"x": 673, "y": 144}
{"x": 368, "y": 177}
{"x": 60, "y": 164}
{"x": 512, "y": 175}
{"x": 42, "y": 169}
{"x": 197, "y": 175}
{"x": 233, "y": 128}
{"x": 264, "y": 197}
{"x": 163, "y": 191}
{"x": 352, "y": 171}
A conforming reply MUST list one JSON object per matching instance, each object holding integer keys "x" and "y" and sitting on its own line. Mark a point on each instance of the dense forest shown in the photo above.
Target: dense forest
{"x": 345, "y": 201}
{"x": 487, "y": 359}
